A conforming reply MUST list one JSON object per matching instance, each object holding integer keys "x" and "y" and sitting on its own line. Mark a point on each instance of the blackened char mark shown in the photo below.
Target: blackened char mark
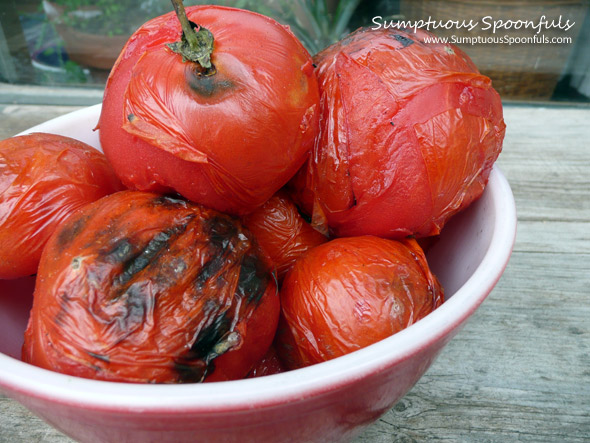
{"x": 208, "y": 86}
{"x": 121, "y": 252}
{"x": 209, "y": 337}
{"x": 158, "y": 243}
{"x": 194, "y": 365}
{"x": 253, "y": 279}
{"x": 102, "y": 357}
{"x": 208, "y": 270}
{"x": 405, "y": 41}
{"x": 70, "y": 231}
{"x": 222, "y": 232}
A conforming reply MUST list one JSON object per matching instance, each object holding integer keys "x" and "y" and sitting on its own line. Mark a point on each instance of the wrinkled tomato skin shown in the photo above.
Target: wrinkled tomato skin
{"x": 282, "y": 233}
{"x": 144, "y": 288}
{"x": 349, "y": 293}
{"x": 409, "y": 133}
{"x": 43, "y": 179}
{"x": 228, "y": 141}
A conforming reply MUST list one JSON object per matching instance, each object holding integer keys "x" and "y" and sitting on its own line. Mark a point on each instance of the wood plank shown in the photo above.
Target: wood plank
{"x": 17, "y": 118}
{"x": 546, "y": 158}
{"x": 18, "y": 425}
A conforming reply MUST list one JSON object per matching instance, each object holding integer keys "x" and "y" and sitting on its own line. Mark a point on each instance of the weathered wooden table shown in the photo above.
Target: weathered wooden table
{"x": 520, "y": 369}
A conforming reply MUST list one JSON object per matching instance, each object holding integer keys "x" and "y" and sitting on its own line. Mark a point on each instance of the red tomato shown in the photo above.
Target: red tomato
{"x": 228, "y": 138}
{"x": 282, "y": 233}
{"x": 43, "y": 179}
{"x": 409, "y": 133}
{"x": 352, "y": 292}
{"x": 139, "y": 287}
{"x": 269, "y": 365}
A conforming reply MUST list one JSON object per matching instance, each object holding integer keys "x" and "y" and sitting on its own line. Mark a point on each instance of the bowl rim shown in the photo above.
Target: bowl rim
{"x": 27, "y": 380}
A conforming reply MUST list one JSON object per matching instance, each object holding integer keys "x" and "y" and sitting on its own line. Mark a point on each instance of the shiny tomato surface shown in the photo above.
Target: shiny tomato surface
{"x": 352, "y": 292}
{"x": 409, "y": 133}
{"x": 139, "y": 287}
{"x": 43, "y": 179}
{"x": 227, "y": 139}
{"x": 282, "y": 233}
{"x": 269, "y": 365}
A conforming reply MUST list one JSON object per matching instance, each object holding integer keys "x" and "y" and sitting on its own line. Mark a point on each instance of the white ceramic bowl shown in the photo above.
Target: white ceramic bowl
{"x": 331, "y": 401}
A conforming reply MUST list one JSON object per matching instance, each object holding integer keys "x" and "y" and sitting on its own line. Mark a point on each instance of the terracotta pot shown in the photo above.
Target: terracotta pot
{"x": 93, "y": 50}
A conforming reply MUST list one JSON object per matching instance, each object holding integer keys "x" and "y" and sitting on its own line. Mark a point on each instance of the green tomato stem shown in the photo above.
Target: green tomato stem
{"x": 196, "y": 45}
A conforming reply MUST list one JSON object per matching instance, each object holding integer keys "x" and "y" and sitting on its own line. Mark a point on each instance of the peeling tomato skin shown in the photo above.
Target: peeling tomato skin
{"x": 349, "y": 293}
{"x": 409, "y": 133}
{"x": 227, "y": 141}
{"x": 282, "y": 233}
{"x": 151, "y": 289}
{"x": 43, "y": 179}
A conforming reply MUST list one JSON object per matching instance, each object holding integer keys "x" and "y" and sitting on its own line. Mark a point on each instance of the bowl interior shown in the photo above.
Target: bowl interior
{"x": 468, "y": 258}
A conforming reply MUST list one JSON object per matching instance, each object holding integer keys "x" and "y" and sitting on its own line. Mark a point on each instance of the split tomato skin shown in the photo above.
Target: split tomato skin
{"x": 228, "y": 140}
{"x": 349, "y": 293}
{"x": 43, "y": 179}
{"x": 409, "y": 133}
{"x": 282, "y": 233}
{"x": 144, "y": 288}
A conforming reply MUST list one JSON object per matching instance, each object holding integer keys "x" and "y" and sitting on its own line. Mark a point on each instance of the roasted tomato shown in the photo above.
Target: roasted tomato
{"x": 269, "y": 365}
{"x": 409, "y": 133}
{"x": 352, "y": 292}
{"x": 43, "y": 179}
{"x": 282, "y": 233}
{"x": 139, "y": 287}
{"x": 227, "y": 136}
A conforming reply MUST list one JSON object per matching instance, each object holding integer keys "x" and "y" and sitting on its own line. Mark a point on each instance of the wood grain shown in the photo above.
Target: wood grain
{"x": 17, "y": 118}
{"x": 520, "y": 368}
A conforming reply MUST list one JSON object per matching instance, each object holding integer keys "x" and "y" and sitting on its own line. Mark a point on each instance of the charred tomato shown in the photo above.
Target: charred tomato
{"x": 139, "y": 287}
{"x": 43, "y": 179}
{"x": 409, "y": 133}
{"x": 352, "y": 292}
{"x": 228, "y": 135}
{"x": 282, "y": 233}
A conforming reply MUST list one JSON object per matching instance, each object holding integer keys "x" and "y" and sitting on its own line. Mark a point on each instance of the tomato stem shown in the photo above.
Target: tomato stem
{"x": 196, "y": 44}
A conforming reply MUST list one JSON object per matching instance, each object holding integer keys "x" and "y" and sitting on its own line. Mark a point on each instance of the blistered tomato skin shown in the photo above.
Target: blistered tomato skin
{"x": 352, "y": 292}
{"x": 228, "y": 140}
{"x": 43, "y": 179}
{"x": 409, "y": 133}
{"x": 282, "y": 233}
{"x": 145, "y": 288}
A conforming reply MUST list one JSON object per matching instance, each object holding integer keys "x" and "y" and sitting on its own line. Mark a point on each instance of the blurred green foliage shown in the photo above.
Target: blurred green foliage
{"x": 317, "y": 23}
